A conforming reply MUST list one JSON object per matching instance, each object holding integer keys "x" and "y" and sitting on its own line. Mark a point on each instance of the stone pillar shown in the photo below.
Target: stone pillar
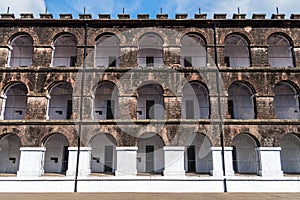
{"x": 127, "y": 107}
{"x": 172, "y": 56}
{"x": 172, "y": 107}
{"x": 31, "y": 161}
{"x": 84, "y": 161}
{"x": 36, "y": 107}
{"x": 265, "y": 107}
{"x": 174, "y": 161}
{"x": 217, "y": 161}
{"x": 269, "y": 161}
{"x": 126, "y": 161}
{"x": 128, "y": 57}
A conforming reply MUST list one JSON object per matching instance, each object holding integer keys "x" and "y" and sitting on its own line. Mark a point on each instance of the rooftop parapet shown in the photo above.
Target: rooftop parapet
{"x": 295, "y": 16}
{"x": 200, "y": 16}
{"x": 7, "y": 16}
{"x": 162, "y": 16}
{"x": 46, "y": 16}
{"x": 26, "y": 15}
{"x": 181, "y": 16}
{"x": 123, "y": 16}
{"x": 104, "y": 16}
{"x": 278, "y": 16}
{"x": 142, "y": 16}
{"x": 239, "y": 16}
{"x": 220, "y": 16}
{"x": 85, "y": 16}
{"x": 65, "y": 16}
{"x": 258, "y": 16}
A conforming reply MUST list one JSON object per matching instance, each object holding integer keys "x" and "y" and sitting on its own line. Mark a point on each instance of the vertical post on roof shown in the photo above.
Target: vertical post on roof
{"x": 123, "y": 10}
{"x": 160, "y": 10}
{"x": 277, "y": 10}
{"x": 238, "y": 10}
{"x": 199, "y": 10}
{"x": 8, "y": 10}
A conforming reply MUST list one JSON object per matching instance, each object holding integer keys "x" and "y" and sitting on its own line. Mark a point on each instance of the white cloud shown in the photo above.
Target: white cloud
{"x": 23, "y": 6}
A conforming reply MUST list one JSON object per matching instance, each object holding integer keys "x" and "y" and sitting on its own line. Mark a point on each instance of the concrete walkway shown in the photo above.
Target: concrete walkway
{"x": 149, "y": 196}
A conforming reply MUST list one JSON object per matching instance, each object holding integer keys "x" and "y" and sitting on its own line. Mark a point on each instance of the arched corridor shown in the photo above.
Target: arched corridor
{"x": 245, "y": 159}
{"x": 21, "y": 51}
{"x": 64, "y": 51}
{"x": 60, "y": 102}
{"x": 150, "y": 155}
{"x": 56, "y": 156}
{"x": 198, "y": 157}
{"x": 103, "y": 153}
{"x": 15, "y": 102}
{"x": 9, "y": 153}
{"x": 290, "y": 153}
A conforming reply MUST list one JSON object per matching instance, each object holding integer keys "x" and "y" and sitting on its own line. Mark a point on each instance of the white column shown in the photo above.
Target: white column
{"x": 126, "y": 161}
{"x": 174, "y": 161}
{"x": 217, "y": 161}
{"x": 31, "y": 161}
{"x": 269, "y": 161}
{"x": 84, "y": 161}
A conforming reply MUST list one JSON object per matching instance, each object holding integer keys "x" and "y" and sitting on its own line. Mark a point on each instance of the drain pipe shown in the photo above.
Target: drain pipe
{"x": 220, "y": 123}
{"x": 81, "y": 105}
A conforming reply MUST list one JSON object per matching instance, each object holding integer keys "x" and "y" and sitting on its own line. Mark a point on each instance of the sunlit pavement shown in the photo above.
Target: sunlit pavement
{"x": 150, "y": 196}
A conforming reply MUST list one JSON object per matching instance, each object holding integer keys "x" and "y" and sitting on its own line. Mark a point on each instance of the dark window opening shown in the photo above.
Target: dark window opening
{"x": 149, "y": 158}
{"x": 112, "y": 61}
{"x": 234, "y": 158}
{"x": 110, "y": 109}
{"x": 188, "y": 61}
{"x": 149, "y": 61}
{"x": 231, "y": 109}
{"x": 65, "y": 159}
{"x": 191, "y": 159}
{"x": 69, "y": 109}
{"x": 227, "y": 61}
{"x": 73, "y": 60}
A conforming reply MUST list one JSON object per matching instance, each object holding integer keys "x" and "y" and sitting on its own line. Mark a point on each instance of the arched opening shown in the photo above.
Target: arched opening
{"x": 286, "y": 101}
{"x": 9, "y": 153}
{"x": 245, "y": 158}
{"x": 103, "y": 153}
{"x": 150, "y": 51}
{"x": 64, "y": 51}
{"x": 56, "y": 156}
{"x": 150, "y": 155}
{"x": 236, "y": 52}
{"x": 193, "y": 51}
{"x": 280, "y": 51}
{"x": 195, "y": 101}
{"x": 15, "y": 102}
{"x": 106, "y": 101}
{"x": 107, "y": 51}
{"x": 241, "y": 103}
{"x": 21, "y": 51}
{"x": 150, "y": 103}
{"x": 290, "y": 153}
{"x": 60, "y": 102}
{"x": 198, "y": 156}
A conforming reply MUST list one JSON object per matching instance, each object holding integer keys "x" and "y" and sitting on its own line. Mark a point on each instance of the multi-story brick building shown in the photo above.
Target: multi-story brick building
{"x": 183, "y": 102}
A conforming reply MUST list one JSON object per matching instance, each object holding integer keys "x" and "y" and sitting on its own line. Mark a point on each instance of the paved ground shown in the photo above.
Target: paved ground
{"x": 149, "y": 196}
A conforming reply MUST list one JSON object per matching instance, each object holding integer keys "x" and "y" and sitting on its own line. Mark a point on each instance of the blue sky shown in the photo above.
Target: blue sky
{"x": 152, "y": 7}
